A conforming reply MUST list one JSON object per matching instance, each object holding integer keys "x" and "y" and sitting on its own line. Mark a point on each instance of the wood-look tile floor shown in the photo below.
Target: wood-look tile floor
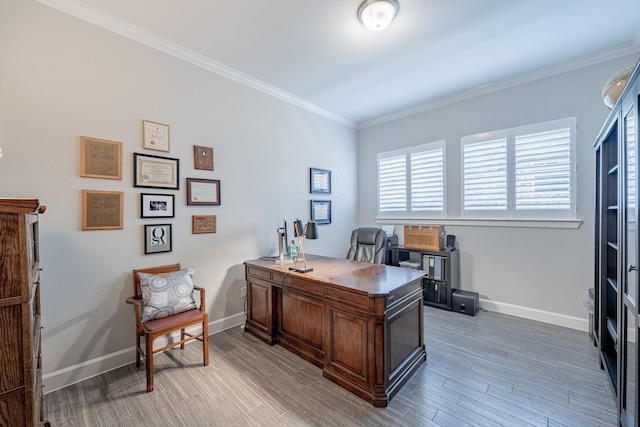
{"x": 487, "y": 370}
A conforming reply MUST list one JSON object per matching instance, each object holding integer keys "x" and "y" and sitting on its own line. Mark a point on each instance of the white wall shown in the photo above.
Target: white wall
{"x": 537, "y": 273}
{"x": 61, "y": 78}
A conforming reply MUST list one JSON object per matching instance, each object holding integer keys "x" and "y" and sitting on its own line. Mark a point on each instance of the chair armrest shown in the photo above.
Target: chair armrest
{"x": 137, "y": 302}
{"x": 133, "y": 300}
{"x": 203, "y": 304}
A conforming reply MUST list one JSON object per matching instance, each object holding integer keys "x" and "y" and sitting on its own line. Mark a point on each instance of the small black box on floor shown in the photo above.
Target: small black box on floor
{"x": 465, "y": 302}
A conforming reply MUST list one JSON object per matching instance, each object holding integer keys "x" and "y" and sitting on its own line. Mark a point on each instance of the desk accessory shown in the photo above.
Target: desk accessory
{"x": 310, "y": 232}
{"x": 284, "y": 257}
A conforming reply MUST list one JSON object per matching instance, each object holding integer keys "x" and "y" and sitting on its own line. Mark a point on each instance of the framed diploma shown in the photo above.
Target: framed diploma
{"x": 156, "y": 136}
{"x": 101, "y": 210}
{"x": 156, "y": 205}
{"x": 100, "y": 158}
{"x": 320, "y": 181}
{"x": 203, "y": 157}
{"x": 203, "y": 191}
{"x": 321, "y": 211}
{"x": 201, "y": 224}
{"x": 156, "y": 172}
{"x": 157, "y": 238}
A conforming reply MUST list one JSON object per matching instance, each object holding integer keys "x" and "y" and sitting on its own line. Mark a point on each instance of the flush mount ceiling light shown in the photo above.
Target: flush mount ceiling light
{"x": 376, "y": 15}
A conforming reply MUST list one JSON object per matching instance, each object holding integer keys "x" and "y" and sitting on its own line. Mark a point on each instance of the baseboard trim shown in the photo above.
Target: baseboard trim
{"x": 535, "y": 314}
{"x": 82, "y": 371}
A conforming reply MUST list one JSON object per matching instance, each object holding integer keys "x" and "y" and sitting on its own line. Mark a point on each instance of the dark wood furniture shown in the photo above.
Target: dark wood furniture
{"x": 441, "y": 268}
{"x": 153, "y": 329}
{"x": 20, "y": 340}
{"x": 361, "y": 323}
{"x": 616, "y": 251}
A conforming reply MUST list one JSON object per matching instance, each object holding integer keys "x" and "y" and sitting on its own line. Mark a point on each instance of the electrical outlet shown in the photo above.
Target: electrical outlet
{"x": 243, "y": 292}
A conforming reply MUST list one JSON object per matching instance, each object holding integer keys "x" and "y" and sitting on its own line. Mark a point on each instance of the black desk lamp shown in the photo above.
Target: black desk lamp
{"x": 310, "y": 232}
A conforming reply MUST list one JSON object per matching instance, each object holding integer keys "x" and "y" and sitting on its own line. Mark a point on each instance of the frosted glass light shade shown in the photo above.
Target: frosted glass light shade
{"x": 614, "y": 86}
{"x": 376, "y": 15}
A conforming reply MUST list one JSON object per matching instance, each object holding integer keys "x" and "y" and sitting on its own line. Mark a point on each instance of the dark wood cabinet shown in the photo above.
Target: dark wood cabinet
{"x": 616, "y": 251}
{"x": 20, "y": 349}
{"x": 442, "y": 272}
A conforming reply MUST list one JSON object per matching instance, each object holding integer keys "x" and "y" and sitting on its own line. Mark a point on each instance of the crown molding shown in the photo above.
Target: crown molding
{"x": 630, "y": 48}
{"x": 149, "y": 39}
{"x": 120, "y": 27}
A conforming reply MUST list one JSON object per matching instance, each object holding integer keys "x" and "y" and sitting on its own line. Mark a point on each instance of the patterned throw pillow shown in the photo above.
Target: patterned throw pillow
{"x": 167, "y": 293}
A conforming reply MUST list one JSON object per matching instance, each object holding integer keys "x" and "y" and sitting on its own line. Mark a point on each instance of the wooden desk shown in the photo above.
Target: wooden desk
{"x": 361, "y": 323}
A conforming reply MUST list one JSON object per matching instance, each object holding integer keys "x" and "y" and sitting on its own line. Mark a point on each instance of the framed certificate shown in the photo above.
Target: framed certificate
{"x": 321, "y": 211}
{"x": 100, "y": 158}
{"x": 156, "y": 136}
{"x": 203, "y": 157}
{"x": 156, "y": 172}
{"x": 101, "y": 210}
{"x": 203, "y": 191}
{"x": 320, "y": 181}
{"x": 201, "y": 224}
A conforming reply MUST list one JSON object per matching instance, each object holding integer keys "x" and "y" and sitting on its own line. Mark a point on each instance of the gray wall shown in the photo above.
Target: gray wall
{"x": 539, "y": 273}
{"x": 61, "y": 78}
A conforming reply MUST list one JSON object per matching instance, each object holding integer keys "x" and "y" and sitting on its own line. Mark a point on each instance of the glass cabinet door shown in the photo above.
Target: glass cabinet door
{"x": 628, "y": 331}
{"x": 631, "y": 242}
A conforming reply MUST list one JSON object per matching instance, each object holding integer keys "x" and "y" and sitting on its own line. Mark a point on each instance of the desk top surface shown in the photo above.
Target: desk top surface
{"x": 360, "y": 276}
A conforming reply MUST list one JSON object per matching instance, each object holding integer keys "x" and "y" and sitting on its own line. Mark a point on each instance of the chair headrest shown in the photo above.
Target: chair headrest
{"x": 368, "y": 235}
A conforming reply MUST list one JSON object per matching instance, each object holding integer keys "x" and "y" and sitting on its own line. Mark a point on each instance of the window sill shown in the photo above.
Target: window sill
{"x": 572, "y": 224}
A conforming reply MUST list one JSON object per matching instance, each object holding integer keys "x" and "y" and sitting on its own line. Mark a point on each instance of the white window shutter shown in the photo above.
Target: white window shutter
{"x": 484, "y": 174}
{"x": 427, "y": 180}
{"x": 543, "y": 170}
{"x": 392, "y": 183}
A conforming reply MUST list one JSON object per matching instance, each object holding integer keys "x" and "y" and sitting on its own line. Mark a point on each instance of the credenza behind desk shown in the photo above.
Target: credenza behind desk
{"x": 361, "y": 323}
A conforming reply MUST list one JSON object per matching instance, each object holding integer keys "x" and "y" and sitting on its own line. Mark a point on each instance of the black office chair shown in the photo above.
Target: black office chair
{"x": 368, "y": 244}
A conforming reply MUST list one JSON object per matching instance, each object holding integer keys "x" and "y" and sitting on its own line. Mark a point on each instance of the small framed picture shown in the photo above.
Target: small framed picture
{"x": 203, "y": 191}
{"x": 203, "y": 157}
{"x": 100, "y": 158}
{"x": 156, "y": 136}
{"x": 102, "y": 210}
{"x": 201, "y": 224}
{"x": 320, "y": 181}
{"x": 156, "y": 172}
{"x": 157, "y": 238}
{"x": 321, "y": 211}
{"x": 156, "y": 205}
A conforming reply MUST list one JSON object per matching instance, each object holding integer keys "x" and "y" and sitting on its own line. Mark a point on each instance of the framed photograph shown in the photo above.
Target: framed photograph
{"x": 203, "y": 191}
{"x": 156, "y": 172}
{"x": 157, "y": 238}
{"x": 321, "y": 211}
{"x": 100, "y": 158}
{"x": 102, "y": 210}
{"x": 201, "y": 224}
{"x": 156, "y": 136}
{"x": 203, "y": 157}
{"x": 156, "y": 205}
{"x": 320, "y": 181}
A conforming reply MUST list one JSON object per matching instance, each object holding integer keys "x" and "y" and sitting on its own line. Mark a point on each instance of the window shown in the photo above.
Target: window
{"x": 411, "y": 182}
{"x": 526, "y": 172}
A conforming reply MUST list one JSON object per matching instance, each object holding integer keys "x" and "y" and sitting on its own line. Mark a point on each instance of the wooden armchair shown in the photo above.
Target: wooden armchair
{"x": 152, "y": 329}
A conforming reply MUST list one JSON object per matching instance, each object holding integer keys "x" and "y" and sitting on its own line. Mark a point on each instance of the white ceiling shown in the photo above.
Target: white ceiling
{"x": 317, "y": 54}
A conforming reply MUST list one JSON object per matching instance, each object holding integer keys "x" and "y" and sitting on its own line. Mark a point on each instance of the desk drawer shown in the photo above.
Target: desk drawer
{"x": 348, "y": 297}
{"x": 271, "y": 276}
{"x": 305, "y": 285}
